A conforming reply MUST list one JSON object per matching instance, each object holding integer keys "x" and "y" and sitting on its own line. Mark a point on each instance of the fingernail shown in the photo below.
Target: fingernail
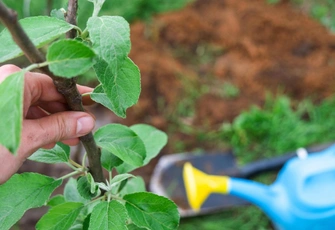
{"x": 85, "y": 125}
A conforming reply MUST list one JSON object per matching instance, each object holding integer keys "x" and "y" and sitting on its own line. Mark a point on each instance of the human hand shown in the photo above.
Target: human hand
{"x": 45, "y": 120}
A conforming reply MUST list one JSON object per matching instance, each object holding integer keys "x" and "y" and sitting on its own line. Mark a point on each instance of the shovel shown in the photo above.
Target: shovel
{"x": 167, "y": 178}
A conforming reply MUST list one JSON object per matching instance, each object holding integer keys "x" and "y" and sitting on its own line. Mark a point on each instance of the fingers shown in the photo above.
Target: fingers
{"x": 39, "y": 88}
{"x": 7, "y": 70}
{"x": 9, "y": 164}
{"x": 62, "y": 126}
{"x": 49, "y": 146}
{"x": 40, "y": 99}
{"x": 42, "y": 88}
{"x": 71, "y": 142}
{"x": 87, "y": 100}
{"x": 84, "y": 89}
{"x": 35, "y": 112}
{"x": 53, "y": 106}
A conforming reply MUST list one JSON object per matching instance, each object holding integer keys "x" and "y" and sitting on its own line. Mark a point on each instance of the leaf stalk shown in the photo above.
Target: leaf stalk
{"x": 75, "y": 164}
{"x": 71, "y": 174}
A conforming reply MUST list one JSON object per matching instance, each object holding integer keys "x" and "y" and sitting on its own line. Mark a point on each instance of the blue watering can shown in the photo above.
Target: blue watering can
{"x": 301, "y": 198}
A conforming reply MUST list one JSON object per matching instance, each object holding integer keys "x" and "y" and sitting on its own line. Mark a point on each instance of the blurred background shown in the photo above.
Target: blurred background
{"x": 254, "y": 76}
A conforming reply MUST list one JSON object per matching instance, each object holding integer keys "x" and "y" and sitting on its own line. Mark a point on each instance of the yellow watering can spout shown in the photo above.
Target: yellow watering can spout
{"x": 200, "y": 185}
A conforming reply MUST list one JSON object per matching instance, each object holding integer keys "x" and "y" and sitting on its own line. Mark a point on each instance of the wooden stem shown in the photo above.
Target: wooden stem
{"x": 67, "y": 87}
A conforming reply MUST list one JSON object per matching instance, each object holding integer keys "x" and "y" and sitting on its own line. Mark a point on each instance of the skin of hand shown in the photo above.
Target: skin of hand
{"x": 45, "y": 120}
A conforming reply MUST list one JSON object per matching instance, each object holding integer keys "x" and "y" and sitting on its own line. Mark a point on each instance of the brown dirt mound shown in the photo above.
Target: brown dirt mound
{"x": 256, "y": 47}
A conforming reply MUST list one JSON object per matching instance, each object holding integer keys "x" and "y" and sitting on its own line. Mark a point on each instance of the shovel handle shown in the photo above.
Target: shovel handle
{"x": 275, "y": 163}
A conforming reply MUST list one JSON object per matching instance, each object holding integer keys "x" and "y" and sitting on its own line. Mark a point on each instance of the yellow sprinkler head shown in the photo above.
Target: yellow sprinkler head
{"x": 200, "y": 185}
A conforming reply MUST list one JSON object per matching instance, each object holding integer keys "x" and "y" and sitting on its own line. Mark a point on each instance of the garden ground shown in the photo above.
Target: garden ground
{"x": 203, "y": 65}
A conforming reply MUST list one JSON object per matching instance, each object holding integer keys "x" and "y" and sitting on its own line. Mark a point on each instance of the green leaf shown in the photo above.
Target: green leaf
{"x": 83, "y": 220}
{"x": 69, "y": 58}
{"x": 122, "y": 142}
{"x": 86, "y": 222}
{"x": 81, "y": 225}
{"x": 40, "y": 30}
{"x": 99, "y": 2}
{"x": 134, "y": 227}
{"x": 97, "y": 6}
{"x": 22, "y": 192}
{"x": 76, "y": 227}
{"x": 120, "y": 186}
{"x": 119, "y": 178}
{"x": 148, "y": 210}
{"x": 109, "y": 160}
{"x": 60, "y": 217}
{"x": 108, "y": 215}
{"x": 154, "y": 140}
{"x": 56, "y": 200}
{"x": 90, "y": 180}
{"x": 71, "y": 192}
{"x": 120, "y": 89}
{"x": 110, "y": 36}
{"x": 133, "y": 185}
{"x": 116, "y": 184}
{"x": 59, "y": 154}
{"x": 125, "y": 168}
{"x": 119, "y": 181}
{"x": 60, "y": 14}
{"x": 11, "y": 107}
{"x": 84, "y": 188}
{"x": 98, "y": 95}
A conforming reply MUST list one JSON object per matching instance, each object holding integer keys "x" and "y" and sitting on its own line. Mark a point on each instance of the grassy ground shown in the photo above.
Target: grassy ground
{"x": 246, "y": 218}
{"x": 279, "y": 127}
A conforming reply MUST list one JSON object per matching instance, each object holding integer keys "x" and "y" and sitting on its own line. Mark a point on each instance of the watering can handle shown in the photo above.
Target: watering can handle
{"x": 275, "y": 163}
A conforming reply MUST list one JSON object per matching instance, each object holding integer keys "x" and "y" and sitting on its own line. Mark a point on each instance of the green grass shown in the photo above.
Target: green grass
{"x": 230, "y": 90}
{"x": 280, "y": 127}
{"x": 141, "y": 9}
{"x": 324, "y": 11}
{"x": 237, "y": 218}
{"x": 321, "y": 10}
{"x": 131, "y": 10}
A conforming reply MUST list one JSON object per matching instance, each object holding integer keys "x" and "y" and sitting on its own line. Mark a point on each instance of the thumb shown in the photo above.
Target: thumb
{"x": 56, "y": 127}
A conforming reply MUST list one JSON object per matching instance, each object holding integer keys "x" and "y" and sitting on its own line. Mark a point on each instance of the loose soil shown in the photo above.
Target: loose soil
{"x": 188, "y": 58}
{"x": 205, "y": 64}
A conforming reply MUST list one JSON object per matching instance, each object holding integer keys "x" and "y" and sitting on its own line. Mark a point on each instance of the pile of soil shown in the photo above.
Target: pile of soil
{"x": 257, "y": 47}
{"x": 251, "y": 45}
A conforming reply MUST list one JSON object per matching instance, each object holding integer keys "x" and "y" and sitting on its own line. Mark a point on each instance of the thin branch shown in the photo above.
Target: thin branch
{"x": 9, "y": 18}
{"x": 71, "y": 17}
{"x": 93, "y": 151}
{"x": 49, "y": 6}
{"x": 67, "y": 87}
